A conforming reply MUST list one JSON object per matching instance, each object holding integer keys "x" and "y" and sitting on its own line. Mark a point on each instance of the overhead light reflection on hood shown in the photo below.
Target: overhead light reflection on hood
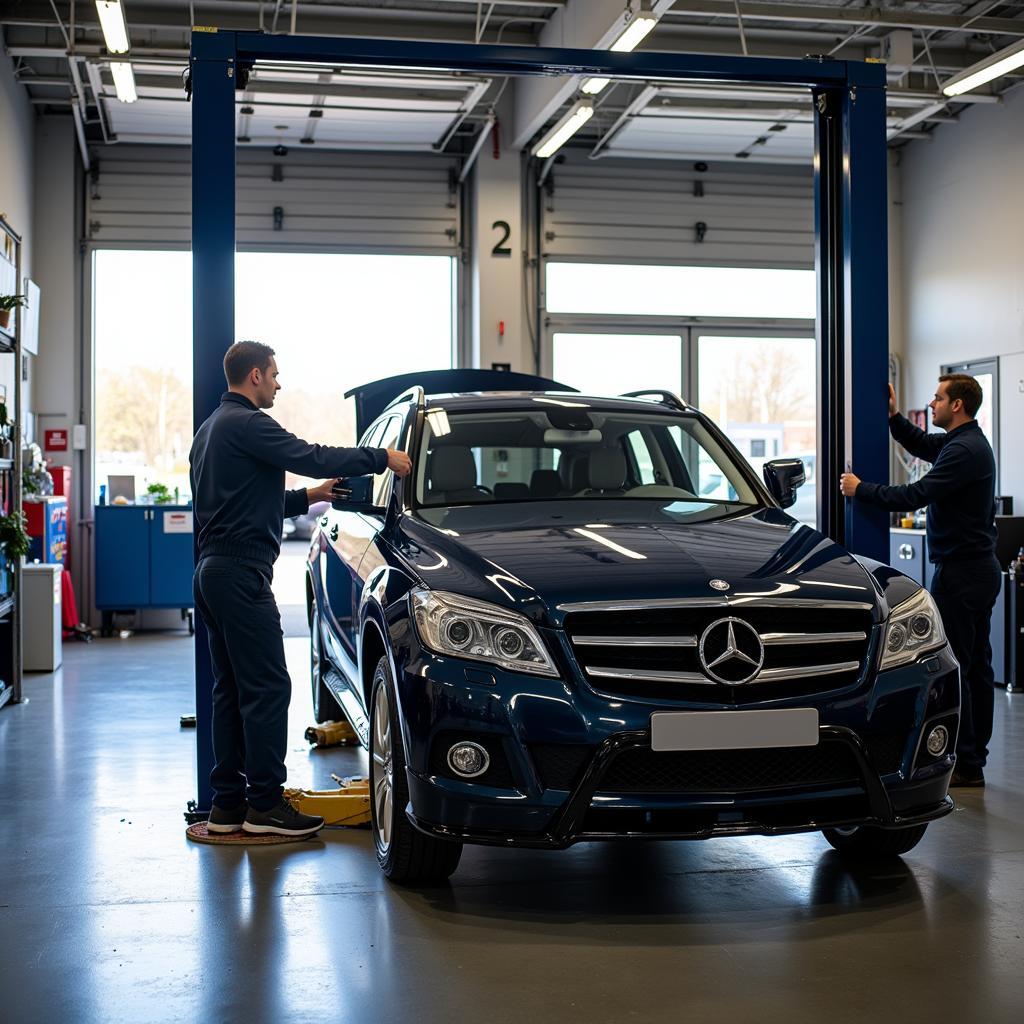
{"x": 618, "y": 548}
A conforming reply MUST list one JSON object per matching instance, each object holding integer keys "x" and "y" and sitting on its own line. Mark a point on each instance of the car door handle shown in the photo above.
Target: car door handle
{"x": 334, "y": 532}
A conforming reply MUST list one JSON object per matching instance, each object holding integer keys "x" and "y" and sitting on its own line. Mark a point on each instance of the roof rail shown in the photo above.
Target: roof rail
{"x": 665, "y": 397}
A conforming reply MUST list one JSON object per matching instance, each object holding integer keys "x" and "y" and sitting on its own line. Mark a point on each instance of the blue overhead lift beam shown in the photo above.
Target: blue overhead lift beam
{"x": 850, "y": 236}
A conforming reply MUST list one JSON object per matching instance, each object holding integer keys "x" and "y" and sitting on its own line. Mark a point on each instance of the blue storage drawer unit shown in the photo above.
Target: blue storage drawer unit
{"x": 144, "y": 559}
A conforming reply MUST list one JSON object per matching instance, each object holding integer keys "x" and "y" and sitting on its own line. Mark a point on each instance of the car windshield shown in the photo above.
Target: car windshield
{"x": 564, "y": 451}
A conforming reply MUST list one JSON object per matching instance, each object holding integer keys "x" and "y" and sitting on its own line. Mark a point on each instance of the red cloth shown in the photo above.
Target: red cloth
{"x": 69, "y": 609}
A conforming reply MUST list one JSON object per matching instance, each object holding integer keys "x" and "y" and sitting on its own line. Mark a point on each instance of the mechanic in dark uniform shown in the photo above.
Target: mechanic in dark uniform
{"x": 239, "y": 457}
{"x": 960, "y": 494}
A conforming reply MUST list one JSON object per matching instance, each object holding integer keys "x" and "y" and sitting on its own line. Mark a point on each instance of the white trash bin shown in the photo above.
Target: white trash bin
{"x": 42, "y": 646}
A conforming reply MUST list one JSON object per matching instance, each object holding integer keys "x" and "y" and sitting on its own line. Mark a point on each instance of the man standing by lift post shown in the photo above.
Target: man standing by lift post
{"x": 239, "y": 457}
{"x": 960, "y": 494}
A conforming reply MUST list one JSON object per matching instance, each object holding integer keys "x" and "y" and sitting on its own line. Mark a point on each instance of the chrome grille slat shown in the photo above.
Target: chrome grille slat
{"x": 650, "y": 676}
{"x": 635, "y": 641}
{"x": 774, "y": 675}
{"x": 785, "y": 639}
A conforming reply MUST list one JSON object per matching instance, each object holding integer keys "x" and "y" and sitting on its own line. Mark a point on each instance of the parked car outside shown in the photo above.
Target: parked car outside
{"x": 586, "y": 618}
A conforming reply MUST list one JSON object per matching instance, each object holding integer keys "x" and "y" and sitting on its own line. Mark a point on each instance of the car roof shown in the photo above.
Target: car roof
{"x": 467, "y": 401}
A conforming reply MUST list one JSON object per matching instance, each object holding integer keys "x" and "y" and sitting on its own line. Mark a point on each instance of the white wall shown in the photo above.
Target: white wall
{"x": 16, "y": 180}
{"x": 963, "y": 261}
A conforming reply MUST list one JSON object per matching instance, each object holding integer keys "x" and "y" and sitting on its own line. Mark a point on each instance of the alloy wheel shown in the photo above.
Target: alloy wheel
{"x": 382, "y": 770}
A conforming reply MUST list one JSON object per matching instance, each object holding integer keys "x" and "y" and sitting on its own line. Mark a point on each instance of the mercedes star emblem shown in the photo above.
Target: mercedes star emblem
{"x": 719, "y": 585}
{"x": 731, "y": 651}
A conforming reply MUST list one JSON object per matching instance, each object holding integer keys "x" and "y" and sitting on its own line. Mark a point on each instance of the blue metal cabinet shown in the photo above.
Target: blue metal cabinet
{"x": 144, "y": 559}
{"x": 908, "y": 552}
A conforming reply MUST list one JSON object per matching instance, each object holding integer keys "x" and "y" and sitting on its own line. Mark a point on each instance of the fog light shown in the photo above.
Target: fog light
{"x": 468, "y": 759}
{"x": 938, "y": 740}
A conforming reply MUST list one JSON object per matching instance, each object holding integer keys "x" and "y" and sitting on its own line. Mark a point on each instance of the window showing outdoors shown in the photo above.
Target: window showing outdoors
{"x": 612, "y": 364}
{"x": 333, "y": 321}
{"x": 762, "y": 393}
{"x": 640, "y": 290}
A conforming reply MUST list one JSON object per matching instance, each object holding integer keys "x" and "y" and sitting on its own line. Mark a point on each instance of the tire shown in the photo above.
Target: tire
{"x": 406, "y": 855}
{"x": 867, "y": 843}
{"x": 325, "y": 706}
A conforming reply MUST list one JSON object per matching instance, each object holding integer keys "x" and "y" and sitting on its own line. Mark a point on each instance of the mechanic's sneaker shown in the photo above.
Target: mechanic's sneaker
{"x": 968, "y": 779}
{"x": 221, "y": 820}
{"x": 282, "y": 820}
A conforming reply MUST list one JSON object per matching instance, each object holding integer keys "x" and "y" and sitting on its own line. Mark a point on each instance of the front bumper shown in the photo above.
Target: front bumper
{"x": 438, "y": 695}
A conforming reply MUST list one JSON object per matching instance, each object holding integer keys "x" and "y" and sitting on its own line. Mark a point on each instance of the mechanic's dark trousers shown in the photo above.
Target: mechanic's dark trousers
{"x": 251, "y": 686}
{"x": 965, "y": 593}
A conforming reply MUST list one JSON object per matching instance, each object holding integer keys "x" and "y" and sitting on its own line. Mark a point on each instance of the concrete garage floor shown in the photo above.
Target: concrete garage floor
{"x": 107, "y": 913}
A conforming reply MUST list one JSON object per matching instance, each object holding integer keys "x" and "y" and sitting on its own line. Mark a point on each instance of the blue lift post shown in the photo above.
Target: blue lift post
{"x": 850, "y": 235}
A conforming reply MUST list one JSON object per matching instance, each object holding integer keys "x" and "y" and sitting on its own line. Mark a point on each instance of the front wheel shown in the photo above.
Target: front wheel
{"x": 325, "y": 707}
{"x": 869, "y": 843}
{"x": 405, "y": 854}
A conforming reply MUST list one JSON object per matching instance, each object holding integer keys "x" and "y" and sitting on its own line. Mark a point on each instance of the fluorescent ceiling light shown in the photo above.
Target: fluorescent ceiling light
{"x": 115, "y": 31}
{"x": 579, "y": 114}
{"x": 637, "y": 29}
{"x": 124, "y": 81}
{"x": 999, "y": 64}
{"x": 592, "y": 86}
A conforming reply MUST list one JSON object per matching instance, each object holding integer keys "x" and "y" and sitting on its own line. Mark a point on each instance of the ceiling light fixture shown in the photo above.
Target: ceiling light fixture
{"x": 637, "y": 27}
{"x": 124, "y": 81}
{"x": 987, "y": 70}
{"x": 579, "y": 114}
{"x": 115, "y": 31}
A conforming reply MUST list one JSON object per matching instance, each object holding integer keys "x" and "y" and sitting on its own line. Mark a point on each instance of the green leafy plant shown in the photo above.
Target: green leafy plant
{"x": 12, "y": 301}
{"x": 13, "y": 539}
{"x": 160, "y": 494}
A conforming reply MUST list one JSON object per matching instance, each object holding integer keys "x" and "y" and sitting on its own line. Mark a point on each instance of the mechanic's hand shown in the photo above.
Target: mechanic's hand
{"x": 893, "y": 407}
{"x": 322, "y": 491}
{"x": 848, "y": 483}
{"x": 398, "y": 462}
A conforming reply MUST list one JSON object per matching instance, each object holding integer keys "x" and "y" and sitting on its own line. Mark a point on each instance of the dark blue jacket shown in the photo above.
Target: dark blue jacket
{"x": 959, "y": 490}
{"x": 238, "y": 459}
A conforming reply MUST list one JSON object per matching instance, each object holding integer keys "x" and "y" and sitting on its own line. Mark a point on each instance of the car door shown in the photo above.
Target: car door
{"x": 347, "y": 535}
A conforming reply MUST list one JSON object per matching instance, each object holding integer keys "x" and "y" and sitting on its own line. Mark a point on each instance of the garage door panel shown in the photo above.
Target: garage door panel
{"x": 614, "y": 210}
{"x": 368, "y": 202}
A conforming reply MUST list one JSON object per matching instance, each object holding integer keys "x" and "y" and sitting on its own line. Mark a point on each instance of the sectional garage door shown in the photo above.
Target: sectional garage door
{"x": 671, "y": 212}
{"x": 335, "y": 201}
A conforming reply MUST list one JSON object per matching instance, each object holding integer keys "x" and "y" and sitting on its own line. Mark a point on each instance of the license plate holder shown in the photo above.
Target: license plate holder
{"x": 734, "y": 730}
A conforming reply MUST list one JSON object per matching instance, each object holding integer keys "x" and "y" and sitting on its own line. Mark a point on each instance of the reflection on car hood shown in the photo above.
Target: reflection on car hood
{"x": 542, "y": 556}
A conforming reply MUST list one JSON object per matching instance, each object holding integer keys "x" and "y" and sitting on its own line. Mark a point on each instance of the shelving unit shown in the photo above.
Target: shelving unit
{"x": 10, "y": 472}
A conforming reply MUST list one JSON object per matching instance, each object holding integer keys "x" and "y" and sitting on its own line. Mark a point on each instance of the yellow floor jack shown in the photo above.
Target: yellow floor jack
{"x": 349, "y": 805}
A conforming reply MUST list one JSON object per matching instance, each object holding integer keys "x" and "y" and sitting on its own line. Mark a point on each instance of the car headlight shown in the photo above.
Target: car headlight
{"x": 465, "y": 628}
{"x": 914, "y": 627}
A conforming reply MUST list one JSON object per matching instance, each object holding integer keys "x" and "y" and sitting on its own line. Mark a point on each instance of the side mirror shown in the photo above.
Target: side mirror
{"x": 783, "y": 477}
{"x": 353, "y": 494}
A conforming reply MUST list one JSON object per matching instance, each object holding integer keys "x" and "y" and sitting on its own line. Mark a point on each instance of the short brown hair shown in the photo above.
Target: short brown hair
{"x": 966, "y": 388}
{"x": 243, "y": 357}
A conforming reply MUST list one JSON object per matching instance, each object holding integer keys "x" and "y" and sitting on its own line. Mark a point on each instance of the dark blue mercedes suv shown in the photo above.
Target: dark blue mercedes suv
{"x": 586, "y": 618}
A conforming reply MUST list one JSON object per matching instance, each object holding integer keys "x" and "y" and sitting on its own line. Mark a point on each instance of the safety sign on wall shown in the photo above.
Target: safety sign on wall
{"x": 55, "y": 440}
{"x": 177, "y": 522}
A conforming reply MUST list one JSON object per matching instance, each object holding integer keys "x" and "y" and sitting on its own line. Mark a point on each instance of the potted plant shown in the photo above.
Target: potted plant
{"x": 7, "y": 303}
{"x": 159, "y": 494}
{"x": 14, "y": 544}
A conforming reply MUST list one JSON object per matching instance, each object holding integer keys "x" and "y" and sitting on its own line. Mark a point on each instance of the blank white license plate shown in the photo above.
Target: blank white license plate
{"x": 734, "y": 730}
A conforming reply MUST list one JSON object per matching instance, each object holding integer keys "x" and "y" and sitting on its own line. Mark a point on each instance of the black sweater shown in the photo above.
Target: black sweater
{"x": 959, "y": 490}
{"x": 238, "y": 458}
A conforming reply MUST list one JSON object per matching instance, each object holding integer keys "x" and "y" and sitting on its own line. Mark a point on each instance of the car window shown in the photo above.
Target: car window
{"x": 483, "y": 456}
{"x": 388, "y": 439}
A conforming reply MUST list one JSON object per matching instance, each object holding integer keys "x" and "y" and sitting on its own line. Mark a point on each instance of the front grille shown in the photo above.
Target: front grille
{"x": 652, "y": 653}
{"x": 642, "y": 770}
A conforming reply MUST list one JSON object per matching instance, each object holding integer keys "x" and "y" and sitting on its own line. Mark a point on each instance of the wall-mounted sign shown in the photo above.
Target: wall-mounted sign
{"x": 55, "y": 440}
